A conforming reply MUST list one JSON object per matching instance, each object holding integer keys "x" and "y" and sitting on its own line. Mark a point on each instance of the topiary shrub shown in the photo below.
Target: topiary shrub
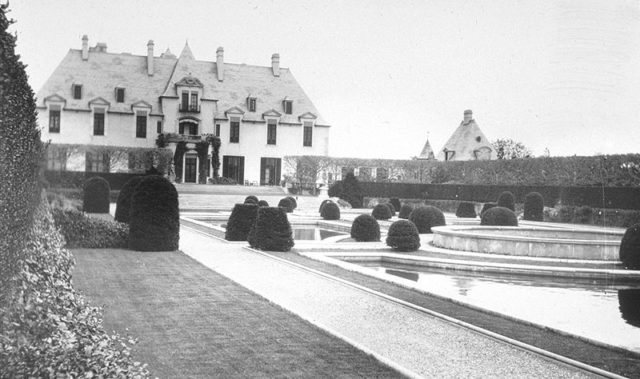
{"x": 486, "y": 207}
{"x": 323, "y": 204}
{"x": 533, "y": 207}
{"x": 286, "y": 204}
{"x": 336, "y": 189}
{"x": 263, "y": 203}
{"x": 155, "y": 218}
{"x": 403, "y": 235}
{"x": 271, "y": 231}
{"x": 499, "y": 216}
{"x": 396, "y": 203}
{"x": 330, "y": 211}
{"x": 123, "y": 204}
{"x": 365, "y": 228}
{"x": 405, "y": 211}
{"x": 392, "y": 208}
{"x": 251, "y": 199}
{"x": 381, "y": 212}
{"x": 351, "y": 191}
{"x": 630, "y": 248}
{"x": 426, "y": 217}
{"x": 583, "y": 215}
{"x": 293, "y": 201}
{"x": 466, "y": 210}
{"x": 240, "y": 222}
{"x": 82, "y": 231}
{"x": 96, "y": 195}
{"x": 629, "y": 305}
{"x": 507, "y": 200}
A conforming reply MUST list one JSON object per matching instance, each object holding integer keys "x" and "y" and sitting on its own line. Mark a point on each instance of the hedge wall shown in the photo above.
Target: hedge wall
{"x": 75, "y": 179}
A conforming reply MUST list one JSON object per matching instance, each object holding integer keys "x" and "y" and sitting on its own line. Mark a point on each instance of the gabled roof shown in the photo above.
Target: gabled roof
{"x": 465, "y": 141}
{"x": 427, "y": 152}
{"x": 141, "y": 104}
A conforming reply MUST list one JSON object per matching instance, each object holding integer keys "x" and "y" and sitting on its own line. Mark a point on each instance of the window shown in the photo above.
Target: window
{"x": 159, "y": 127}
{"x": 194, "y": 101}
{"x": 251, "y": 104}
{"x": 185, "y": 101}
{"x": 54, "y": 119}
{"x": 119, "y": 95}
{"x": 288, "y": 106}
{"x": 141, "y": 125}
{"x": 98, "y": 122}
{"x": 77, "y": 91}
{"x": 308, "y": 134}
{"x": 56, "y": 158}
{"x": 448, "y": 155}
{"x": 188, "y": 128}
{"x": 189, "y": 102}
{"x": 96, "y": 162}
{"x": 234, "y": 133}
{"x": 217, "y": 130}
{"x": 233, "y": 168}
{"x": 271, "y": 132}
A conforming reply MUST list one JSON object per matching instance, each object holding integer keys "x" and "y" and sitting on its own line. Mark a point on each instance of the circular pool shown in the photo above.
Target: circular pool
{"x": 531, "y": 241}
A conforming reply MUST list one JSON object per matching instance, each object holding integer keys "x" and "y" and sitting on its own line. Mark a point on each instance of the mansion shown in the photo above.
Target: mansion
{"x": 96, "y": 104}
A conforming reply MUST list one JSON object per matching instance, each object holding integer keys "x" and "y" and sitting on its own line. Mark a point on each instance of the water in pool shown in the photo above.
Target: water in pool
{"x": 312, "y": 233}
{"x": 602, "y": 311}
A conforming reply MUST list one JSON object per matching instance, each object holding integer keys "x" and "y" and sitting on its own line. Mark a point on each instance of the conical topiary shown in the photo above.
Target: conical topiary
{"x": 271, "y": 231}
{"x": 155, "y": 217}
{"x": 240, "y": 222}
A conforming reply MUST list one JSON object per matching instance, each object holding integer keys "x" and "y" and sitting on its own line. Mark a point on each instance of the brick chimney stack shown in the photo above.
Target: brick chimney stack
{"x": 220, "y": 63}
{"x": 150, "y": 58}
{"x": 275, "y": 64}
{"x": 468, "y": 115}
{"x": 85, "y": 47}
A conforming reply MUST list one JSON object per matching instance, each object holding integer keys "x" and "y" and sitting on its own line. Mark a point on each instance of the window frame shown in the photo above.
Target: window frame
{"x": 272, "y": 132}
{"x": 141, "y": 132}
{"x": 307, "y": 134}
{"x": 252, "y": 103}
{"x": 54, "y": 127}
{"x": 120, "y": 91}
{"x": 103, "y": 113}
{"x": 287, "y": 106}
{"x": 234, "y": 130}
{"x": 76, "y": 91}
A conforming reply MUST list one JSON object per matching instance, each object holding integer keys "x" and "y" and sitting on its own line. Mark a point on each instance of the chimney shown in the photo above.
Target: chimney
{"x": 220, "y": 63}
{"x": 85, "y": 47}
{"x": 275, "y": 64}
{"x": 468, "y": 115}
{"x": 150, "y": 58}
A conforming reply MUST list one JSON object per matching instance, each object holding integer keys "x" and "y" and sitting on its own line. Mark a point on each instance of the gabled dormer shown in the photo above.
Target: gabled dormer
{"x": 308, "y": 116}
{"x": 271, "y": 113}
{"x": 189, "y": 89}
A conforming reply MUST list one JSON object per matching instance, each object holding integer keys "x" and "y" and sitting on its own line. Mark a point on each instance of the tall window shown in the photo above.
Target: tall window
{"x": 141, "y": 125}
{"x": 308, "y": 134}
{"x": 234, "y": 133}
{"x": 119, "y": 95}
{"x": 193, "y": 105}
{"x": 288, "y": 106}
{"x": 98, "y": 122}
{"x": 96, "y": 161}
{"x": 189, "y": 101}
{"x": 271, "y": 132}
{"x": 185, "y": 101}
{"x": 159, "y": 127}
{"x": 77, "y": 91}
{"x": 251, "y": 104}
{"x": 56, "y": 158}
{"x": 217, "y": 130}
{"x": 54, "y": 119}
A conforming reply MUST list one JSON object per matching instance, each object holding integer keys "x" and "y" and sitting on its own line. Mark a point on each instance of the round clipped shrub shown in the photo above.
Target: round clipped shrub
{"x": 426, "y": 217}
{"x": 629, "y": 305}
{"x": 323, "y": 204}
{"x": 271, "y": 231}
{"x": 286, "y": 204}
{"x": 405, "y": 211}
{"x": 381, "y": 212}
{"x": 365, "y": 228}
{"x": 330, "y": 211}
{"x": 403, "y": 235}
{"x": 533, "y": 207}
{"x": 293, "y": 201}
{"x": 507, "y": 200}
{"x": 396, "y": 203}
{"x": 241, "y": 221}
{"x": 466, "y": 210}
{"x": 96, "y": 195}
{"x": 263, "y": 203}
{"x": 630, "y": 248}
{"x": 499, "y": 216}
{"x": 123, "y": 204}
{"x": 392, "y": 208}
{"x": 486, "y": 207}
{"x": 155, "y": 219}
{"x": 251, "y": 199}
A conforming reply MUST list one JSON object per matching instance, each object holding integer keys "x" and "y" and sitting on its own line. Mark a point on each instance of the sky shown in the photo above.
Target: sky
{"x": 560, "y": 76}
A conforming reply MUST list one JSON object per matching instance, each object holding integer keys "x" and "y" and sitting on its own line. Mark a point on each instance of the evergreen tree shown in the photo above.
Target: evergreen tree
{"x": 351, "y": 190}
{"x": 20, "y": 154}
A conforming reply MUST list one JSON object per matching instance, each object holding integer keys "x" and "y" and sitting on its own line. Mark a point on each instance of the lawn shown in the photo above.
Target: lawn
{"x": 193, "y": 322}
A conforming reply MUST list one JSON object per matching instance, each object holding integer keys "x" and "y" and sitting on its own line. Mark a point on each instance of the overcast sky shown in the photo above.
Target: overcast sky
{"x": 556, "y": 74}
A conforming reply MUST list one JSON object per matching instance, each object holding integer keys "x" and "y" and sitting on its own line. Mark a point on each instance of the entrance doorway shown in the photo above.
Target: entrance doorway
{"x": 233, "y": 168}
{"x": 270, "y": 171}
{"x": 190, "y": 169}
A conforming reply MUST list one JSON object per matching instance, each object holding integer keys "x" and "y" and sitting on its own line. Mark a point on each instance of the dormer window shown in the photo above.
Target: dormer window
{"x": 287, "y": 105}
{"x": 189, "y": 102}
{"x": 76, "y": 90}
{"x": 449, "y": 154}
{"x": 251, "y": 104}
{"x": 119, "y": 95}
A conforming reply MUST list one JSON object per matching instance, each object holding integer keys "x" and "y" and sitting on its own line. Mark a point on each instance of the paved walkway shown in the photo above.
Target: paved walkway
{"x": 419, "y": 343}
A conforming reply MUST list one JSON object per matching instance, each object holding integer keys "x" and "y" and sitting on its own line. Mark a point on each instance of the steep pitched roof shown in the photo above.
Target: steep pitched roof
{"x": 427, "y": 152}
{"x": 466, "y": 140}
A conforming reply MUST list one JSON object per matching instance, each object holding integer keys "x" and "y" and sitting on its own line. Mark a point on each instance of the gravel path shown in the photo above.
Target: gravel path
{"x": 420, "y": 343}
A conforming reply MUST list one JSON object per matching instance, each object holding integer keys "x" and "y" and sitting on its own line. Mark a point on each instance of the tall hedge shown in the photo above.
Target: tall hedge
{"x": 240, "y": 222}
{"x": 123, "y": 204}
{"x": 20, "y": 155}
{"x": 272, "y": 230}
{"x": 96, "y": 195}
{"x": 155, "y": 216}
